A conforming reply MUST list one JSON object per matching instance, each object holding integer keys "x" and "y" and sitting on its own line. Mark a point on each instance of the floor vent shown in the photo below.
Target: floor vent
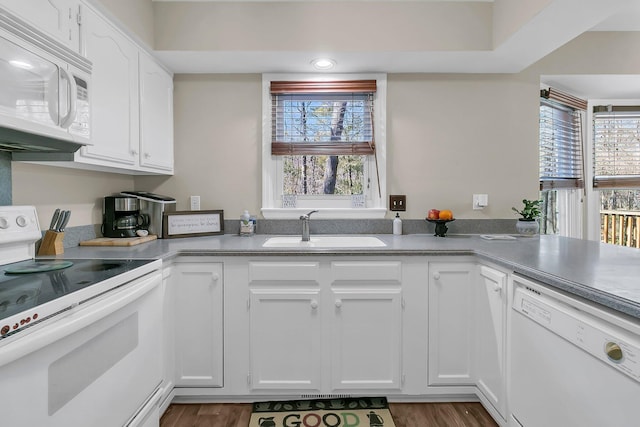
{"x": 325, "y": 396}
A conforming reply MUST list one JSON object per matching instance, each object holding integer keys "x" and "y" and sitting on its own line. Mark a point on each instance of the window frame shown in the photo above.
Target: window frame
{"x": 570, "y": 191}
{"x": 593, "y": 225}
{"x": 329, "y": 206}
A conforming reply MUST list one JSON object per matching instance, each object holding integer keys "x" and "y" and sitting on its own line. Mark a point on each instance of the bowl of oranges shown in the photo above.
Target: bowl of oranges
{"x": 440, "y": 218}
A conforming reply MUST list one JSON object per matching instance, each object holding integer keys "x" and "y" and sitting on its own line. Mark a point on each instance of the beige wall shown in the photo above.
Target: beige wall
{"x": 50, "y": 187}
{"x": 449, "y": 136}
{"x": 511, "y": 15}
{"x": 598, "y": 52}
{"x": 136, "y": 15}
{"x": 256, "y": 26}
{"x": 217, "y": 143}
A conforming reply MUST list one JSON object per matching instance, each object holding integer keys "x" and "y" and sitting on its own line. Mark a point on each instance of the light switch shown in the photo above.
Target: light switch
{"x": 194, "y": 202}
{"x": 480, "y": 201}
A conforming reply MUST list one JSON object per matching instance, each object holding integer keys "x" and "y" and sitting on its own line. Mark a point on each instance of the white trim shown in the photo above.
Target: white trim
{"x": 272, "y": 166}
{"x": 570, "y": 212}
{"x": 326, "y": 213}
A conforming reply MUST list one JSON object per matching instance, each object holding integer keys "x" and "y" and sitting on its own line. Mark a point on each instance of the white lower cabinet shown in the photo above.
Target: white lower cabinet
{"x": 168, "y": 331}
{"x": 285, "y": 342}
{"x": 366, "y": 339}
{"x": 198, "y": 297}
{"x": 325, "y": 327}
{"x": 490, "y": 333}
{"x": 451, "y": 320}
{"x": 365, "y": 312}
{"x": 337, "y": 325}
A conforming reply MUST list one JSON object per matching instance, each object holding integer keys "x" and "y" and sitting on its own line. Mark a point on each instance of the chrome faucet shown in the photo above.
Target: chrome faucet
{"x": 305, "y": 226}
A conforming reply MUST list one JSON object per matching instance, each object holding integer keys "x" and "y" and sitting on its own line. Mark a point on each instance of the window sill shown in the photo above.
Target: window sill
{"x": 325, "y": 213}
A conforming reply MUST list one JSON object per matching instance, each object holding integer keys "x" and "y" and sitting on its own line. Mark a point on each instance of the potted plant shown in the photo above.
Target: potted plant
{"x": 528, "y": 225}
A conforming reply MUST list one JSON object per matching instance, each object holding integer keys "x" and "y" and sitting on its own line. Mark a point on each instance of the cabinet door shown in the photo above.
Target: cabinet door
{"x": 285, "y": 342}
{"x": 450, "y": 323}
{"x": 366, "y": 338}
{"x": 168, "y": 331}
{"x": 490, "y": 335}
{"x": 57, "y": 18}
{"x": 199, "y": 330}
{"x": 156, "y": 116}
{"x": 114, "y": 93}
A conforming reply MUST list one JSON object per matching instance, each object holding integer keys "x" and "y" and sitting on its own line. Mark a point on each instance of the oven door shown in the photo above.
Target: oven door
{"x": 95, "y": 366}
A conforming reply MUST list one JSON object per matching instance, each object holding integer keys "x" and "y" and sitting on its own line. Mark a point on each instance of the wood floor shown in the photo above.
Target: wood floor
{"x": 404, "y": 415}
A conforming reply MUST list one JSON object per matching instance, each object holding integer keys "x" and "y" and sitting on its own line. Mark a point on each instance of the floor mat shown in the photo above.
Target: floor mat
{"x": 343, "y": 412}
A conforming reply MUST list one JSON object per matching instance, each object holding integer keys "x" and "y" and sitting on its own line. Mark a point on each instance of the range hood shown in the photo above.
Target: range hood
{"x": 19, "y": 142}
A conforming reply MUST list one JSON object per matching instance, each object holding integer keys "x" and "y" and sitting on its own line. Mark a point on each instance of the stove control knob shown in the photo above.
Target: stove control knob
{"x": 4, "y": 223}
{"x": 22, "y": 221}
{"x": 5, "y": 330}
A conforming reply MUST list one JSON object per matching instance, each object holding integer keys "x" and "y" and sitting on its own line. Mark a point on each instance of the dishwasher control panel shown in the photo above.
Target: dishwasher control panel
{"x": 601, "y": 339}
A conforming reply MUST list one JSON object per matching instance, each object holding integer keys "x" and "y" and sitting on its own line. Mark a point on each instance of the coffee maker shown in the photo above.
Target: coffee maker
{"x": 121, "y": 217}
{"x": 153, "y": 207}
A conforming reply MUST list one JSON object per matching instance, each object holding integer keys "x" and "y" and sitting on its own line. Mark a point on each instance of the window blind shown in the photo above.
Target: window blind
{"x": 560, "y": 146}
{"x": 322, "y": 118}
{"x": 616, "y": 133}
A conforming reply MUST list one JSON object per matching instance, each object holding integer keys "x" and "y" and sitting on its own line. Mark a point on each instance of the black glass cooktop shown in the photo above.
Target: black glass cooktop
{"x": 22, "y": 290}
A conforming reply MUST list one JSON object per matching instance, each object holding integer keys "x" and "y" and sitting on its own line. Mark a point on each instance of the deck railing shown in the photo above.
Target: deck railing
{"x": 620, "y": 228}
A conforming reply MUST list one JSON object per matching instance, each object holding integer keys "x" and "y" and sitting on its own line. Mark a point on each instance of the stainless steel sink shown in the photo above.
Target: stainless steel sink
{"x": 324, "y": 242}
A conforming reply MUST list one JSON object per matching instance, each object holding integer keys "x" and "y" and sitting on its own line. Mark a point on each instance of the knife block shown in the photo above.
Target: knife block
{"x": 52, "y": 243}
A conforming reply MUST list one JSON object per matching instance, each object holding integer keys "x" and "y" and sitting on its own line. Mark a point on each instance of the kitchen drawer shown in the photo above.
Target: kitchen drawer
{"x": 367, "y": 270}
{"x": 284, "y": 271}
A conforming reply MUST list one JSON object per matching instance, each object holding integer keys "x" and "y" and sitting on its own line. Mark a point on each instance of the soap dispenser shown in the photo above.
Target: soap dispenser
{"x": 397, "y": 225}
{"x": 246, "y": 225}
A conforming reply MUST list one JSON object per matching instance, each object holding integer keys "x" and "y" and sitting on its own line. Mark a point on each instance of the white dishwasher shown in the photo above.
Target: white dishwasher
{"x": 571, "y": 363}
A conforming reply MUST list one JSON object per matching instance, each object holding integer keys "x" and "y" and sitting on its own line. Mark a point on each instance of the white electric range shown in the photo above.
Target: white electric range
{"x": 80, "y": 337}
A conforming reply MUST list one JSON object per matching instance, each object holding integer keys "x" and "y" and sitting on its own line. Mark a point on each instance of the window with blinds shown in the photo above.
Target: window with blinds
{"x": 560, "y": 146}
{"x": 616, "y": 131}
{"x": 322, "y": 118}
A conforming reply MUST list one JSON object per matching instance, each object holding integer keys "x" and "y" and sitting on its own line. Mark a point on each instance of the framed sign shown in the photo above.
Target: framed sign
{"x": 192, "y": 223}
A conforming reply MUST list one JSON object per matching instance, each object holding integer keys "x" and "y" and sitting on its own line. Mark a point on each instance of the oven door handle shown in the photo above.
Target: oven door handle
{"x": 75, "y": 321}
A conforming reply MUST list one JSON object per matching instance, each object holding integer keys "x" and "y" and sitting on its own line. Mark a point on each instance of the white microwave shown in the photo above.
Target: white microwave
{"x": 44, "y": 91}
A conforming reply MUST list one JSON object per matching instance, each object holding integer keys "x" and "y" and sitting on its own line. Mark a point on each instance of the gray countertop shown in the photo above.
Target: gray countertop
{"x": 606, "y": 274}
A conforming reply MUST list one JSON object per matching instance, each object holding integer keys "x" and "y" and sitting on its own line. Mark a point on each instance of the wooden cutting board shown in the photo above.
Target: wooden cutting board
{"x": 118, "y": 241}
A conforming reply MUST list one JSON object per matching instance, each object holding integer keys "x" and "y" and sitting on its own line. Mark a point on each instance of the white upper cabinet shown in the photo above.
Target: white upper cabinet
{"x": 132, "y": 104}
{"x": 156, "y": 115}
{"x": 114, "y": 94}
{"x": 57, "y": 18}
{"x": 130, "y": 93}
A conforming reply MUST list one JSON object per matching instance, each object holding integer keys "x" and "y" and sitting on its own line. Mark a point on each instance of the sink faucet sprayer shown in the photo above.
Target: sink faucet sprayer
{"x": 305, "y": 226}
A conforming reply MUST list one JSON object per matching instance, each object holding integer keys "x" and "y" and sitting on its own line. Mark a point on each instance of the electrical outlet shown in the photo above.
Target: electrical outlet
{"x": 398, "y": 202}
{"x": 480, "y": 201}
{"x": 195, "y": 203}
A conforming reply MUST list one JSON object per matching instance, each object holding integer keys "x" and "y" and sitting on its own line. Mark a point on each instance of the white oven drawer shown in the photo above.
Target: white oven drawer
{"x": 96, "y": 368}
